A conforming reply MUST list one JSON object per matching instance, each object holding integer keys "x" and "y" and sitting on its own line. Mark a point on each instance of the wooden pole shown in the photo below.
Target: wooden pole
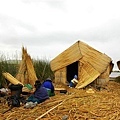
{"x": 49, "y": 111}
{"x": 53, "y": 108}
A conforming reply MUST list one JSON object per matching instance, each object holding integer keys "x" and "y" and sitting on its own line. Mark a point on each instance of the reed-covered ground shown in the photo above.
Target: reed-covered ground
{"x": 74, "y": 105}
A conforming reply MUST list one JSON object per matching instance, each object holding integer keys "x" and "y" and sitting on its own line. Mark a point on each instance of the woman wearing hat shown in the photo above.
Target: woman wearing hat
{"x": 49, "y": 86}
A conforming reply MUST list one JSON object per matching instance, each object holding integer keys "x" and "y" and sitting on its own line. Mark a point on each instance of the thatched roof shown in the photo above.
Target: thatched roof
{"x": 83, "y": 52}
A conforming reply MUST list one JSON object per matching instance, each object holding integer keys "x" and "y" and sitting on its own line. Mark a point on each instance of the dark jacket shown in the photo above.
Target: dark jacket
{"x": 48, "y": 84}
{"x": 41, "y": 93}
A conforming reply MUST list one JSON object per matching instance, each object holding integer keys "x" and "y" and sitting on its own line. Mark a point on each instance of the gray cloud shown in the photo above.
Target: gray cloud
{"x": 56, "y": 4}
{"x": 10, "y": 25}
{"x": 103, "y": 34}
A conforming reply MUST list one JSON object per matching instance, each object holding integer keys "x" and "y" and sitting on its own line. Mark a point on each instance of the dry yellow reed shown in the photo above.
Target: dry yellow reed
{"x": 101, "y": 105}
{"x": 10, "y": 78}
{"x": 26, "y": 73}
{"x": 30, "y": 70}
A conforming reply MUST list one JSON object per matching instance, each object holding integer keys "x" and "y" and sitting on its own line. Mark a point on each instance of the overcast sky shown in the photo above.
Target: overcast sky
{"x": 48, "y": 27}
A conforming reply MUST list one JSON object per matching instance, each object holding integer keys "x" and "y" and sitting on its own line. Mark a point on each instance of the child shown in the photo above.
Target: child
{"x": 73, "y": 82}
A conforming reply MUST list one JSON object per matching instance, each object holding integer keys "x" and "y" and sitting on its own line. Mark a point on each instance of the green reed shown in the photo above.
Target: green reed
{"x": 42, "y": 69}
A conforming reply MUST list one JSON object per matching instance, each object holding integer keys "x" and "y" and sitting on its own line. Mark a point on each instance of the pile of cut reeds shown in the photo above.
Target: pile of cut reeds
{"x": 76, "y": 105}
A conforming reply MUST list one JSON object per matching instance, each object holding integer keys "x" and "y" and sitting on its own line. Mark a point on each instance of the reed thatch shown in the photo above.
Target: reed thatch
{"x": 26, "y": 73}
{"x": 67, "y": 57}
{"x": 30, "y": 71}
{"x": 22, "y": 67}
{"x": 10, "y": 78}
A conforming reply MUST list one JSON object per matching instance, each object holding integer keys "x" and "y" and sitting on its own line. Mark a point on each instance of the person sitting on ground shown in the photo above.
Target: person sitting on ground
{"x": 39, "y": 96}
{"x": 74, "y": 81}
{"x": 49, "y": 86}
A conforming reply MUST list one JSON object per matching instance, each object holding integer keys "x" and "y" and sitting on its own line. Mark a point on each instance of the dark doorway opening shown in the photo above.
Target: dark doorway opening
{"x": 72, "y": 70}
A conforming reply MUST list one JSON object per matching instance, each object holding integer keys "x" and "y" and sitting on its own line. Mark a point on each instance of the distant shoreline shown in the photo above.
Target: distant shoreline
{"x": 112, "y": 78}
{"x": 114, "y": 74}
{"x": 116, "y": 71}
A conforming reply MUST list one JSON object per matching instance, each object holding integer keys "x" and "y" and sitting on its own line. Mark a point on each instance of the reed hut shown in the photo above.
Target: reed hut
{"x": 87, "y": 63}
{"x": 118, "y": 64}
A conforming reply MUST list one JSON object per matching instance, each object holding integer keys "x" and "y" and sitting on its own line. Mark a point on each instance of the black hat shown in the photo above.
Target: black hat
{"x": 37, "y": 83}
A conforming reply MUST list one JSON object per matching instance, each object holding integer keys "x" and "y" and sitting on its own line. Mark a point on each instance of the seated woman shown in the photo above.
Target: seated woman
{"x": 74, "y": 82}
{"x": 40, "y": 95}
{"x": 49, "y": 86}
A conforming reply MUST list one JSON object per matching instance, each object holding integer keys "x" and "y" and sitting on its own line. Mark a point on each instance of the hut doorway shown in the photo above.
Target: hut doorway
{"x": 72, "y": 70}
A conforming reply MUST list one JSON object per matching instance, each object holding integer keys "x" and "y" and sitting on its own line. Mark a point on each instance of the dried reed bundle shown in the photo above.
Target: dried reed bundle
{"x": 10, "y": 78}
{"x": 26, "y": 73}
{"x": 30, "y": 70}
{"x": 26, "y": 77}
{"x": 21, "y": 72}
{"x": 22, "y": 68}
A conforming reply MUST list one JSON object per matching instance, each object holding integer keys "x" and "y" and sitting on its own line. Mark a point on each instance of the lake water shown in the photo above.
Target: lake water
{"x": 115, "y": 74}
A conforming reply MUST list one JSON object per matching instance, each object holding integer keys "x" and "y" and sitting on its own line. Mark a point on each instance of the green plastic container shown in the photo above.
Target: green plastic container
{"x": 29, "y": 86}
